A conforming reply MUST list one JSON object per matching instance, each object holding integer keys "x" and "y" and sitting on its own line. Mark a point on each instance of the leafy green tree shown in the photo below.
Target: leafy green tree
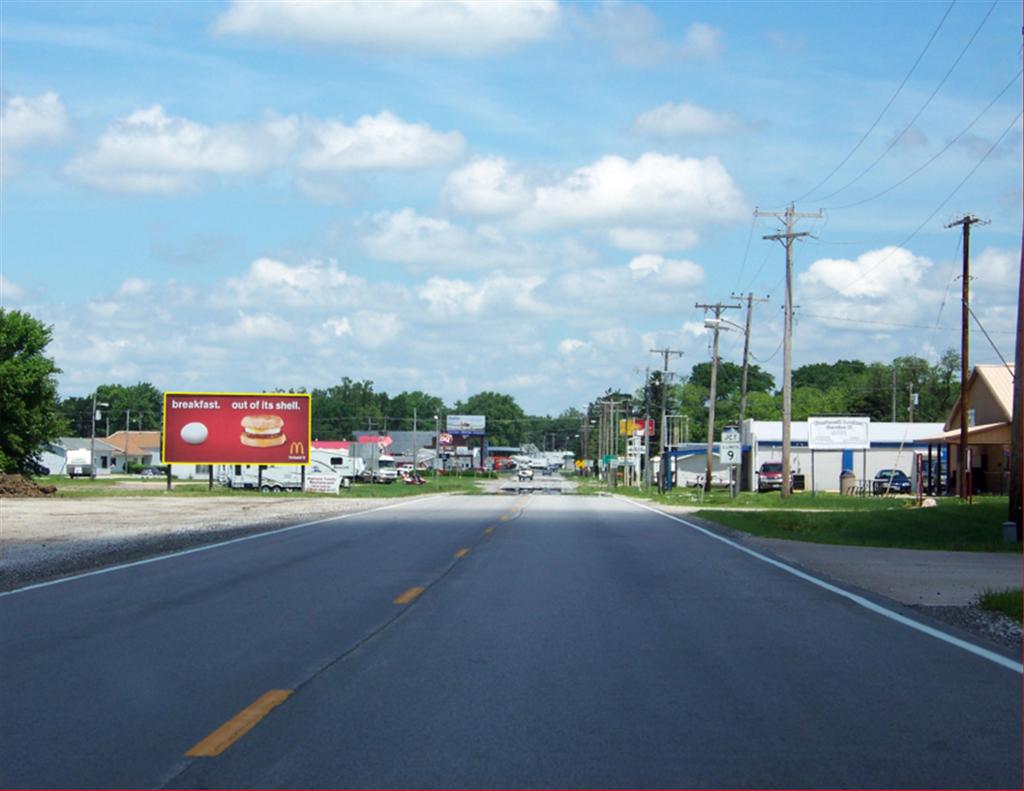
{"x": 29, "y": 415}
{"x": 506, "y": 421}
{"x": 344, "y": 408}
{"x": 76, "y": 411}
{"x": 138, "y": 407}
{"x": 400, "y": 409}
{"x": 730, "y": 379}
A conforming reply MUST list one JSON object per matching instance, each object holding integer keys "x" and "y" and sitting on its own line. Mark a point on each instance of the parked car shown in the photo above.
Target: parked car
{"x": 33, "y": 467}
{"x": 152, "y": 472}
{"x": 893, "y": 481}
{"x": 769, "y": 477}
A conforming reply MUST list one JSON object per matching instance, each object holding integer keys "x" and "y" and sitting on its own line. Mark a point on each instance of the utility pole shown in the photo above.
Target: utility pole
{"x": 1016, "y": 439}
{"x": 716, "y": 325}
{"x": 663, "y": 470}
{"x": 910, "y": 403}
{"x": 127, "y": 417}
{"x": 894, "y": 394}
{"x": 751, "y": 299}
{"x": 790, "y": 215}
{"x": 414, "y": 443}
{"x": 962, "y": 456}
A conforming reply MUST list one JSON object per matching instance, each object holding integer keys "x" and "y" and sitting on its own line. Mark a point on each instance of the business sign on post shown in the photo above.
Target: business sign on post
{"x": 236, "y": 428}
{"x": 636, "y": 427}
{"x": 838, "y": 433}
{"x": 466, "y": 425}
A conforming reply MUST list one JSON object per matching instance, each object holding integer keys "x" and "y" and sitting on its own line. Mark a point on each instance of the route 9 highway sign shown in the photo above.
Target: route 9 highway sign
{"x": 729, "y": 452}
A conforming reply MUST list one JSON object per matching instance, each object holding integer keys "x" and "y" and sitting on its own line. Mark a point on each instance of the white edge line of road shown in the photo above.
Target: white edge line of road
{"x": 205, "y": 547}
{"x": 865, "y": 603}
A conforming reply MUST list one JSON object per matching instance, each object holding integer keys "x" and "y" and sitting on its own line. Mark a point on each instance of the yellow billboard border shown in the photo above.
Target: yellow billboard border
{"x": 309, "y": 429}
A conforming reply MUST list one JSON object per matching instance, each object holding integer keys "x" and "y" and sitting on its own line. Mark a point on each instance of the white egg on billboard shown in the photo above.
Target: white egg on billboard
{"x": 194, "y": 433}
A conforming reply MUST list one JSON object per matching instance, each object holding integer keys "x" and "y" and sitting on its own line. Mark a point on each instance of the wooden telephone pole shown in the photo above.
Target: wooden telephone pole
{"x": 751, "y": 299}
{"x": 963, "y": 458}
{"x": 716, "y": 325}
{"x": 789, "y": 216}
{"x": 663, "y": 469}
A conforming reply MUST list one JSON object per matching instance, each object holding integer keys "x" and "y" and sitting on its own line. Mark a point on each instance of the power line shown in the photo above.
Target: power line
{"x": 884, "y": 109}
{"x": 917, "y": 115}
{"x": 944, "y": 149}
{"x": 938, "y": 208}
{"x": 891, "y": 323}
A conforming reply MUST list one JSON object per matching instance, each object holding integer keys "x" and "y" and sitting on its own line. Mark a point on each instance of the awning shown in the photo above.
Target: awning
{"x": 986, "y": 434}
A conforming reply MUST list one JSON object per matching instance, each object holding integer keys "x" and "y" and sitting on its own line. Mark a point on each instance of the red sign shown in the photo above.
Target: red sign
{"x": 236, "y": 428}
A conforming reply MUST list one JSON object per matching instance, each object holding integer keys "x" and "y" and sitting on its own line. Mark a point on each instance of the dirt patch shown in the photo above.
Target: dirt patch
{"x": 46, "y": 538}
{"x": 20, "y": 486}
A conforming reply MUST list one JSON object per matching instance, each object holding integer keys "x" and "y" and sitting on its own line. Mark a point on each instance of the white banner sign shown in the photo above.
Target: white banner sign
{"x": 838, "y": 433}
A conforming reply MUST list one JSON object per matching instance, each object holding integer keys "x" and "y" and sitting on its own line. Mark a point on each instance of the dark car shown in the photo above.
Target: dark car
{"x": 891, "y": 481}
{"x": 33, "y": 467}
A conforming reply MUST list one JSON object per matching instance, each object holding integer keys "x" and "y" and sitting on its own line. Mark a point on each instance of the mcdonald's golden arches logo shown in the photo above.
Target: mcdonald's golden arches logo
{"x": 297, "y": 449}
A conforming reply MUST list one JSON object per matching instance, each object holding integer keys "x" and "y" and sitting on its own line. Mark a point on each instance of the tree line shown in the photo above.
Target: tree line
{"x": 31, "y": 413}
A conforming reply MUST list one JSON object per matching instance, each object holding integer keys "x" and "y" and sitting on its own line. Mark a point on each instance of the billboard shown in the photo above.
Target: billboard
{"x": 838, "y": 433}
{"x": 236, "y": 428}
{"x": 466, "y": 425}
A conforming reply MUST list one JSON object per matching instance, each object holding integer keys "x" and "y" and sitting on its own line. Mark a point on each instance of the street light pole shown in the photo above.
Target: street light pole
{"x": 92, "y": 435}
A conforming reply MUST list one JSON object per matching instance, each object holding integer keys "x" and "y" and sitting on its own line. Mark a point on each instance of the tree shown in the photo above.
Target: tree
{"x": 730, "y": 379}
{"x": 344, "y": 408}
{"x": 505, "y": 418}
{"x": 399, "y": 410}
{"x": 29, "y": 417}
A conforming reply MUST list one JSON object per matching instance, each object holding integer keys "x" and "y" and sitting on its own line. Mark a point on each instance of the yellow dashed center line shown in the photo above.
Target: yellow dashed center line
{"x": 462, "y": 552}
{"x": 410, "y": 595}
{"x": 503, "y": 518}
{"x": 488, "y": 530}
{"x": 239, "y": 725}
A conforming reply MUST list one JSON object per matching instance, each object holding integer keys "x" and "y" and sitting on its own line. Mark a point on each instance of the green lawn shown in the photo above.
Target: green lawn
{"x": 950, "y": 525}
{"x": 130, "y": 486}
{"x": 719, "y": 498}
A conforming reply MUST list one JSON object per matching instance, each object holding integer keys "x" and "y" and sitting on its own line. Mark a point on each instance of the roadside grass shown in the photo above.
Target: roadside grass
{"x": 1006, "y": 601}
{"x": 950, "y": 525}
{"x": 720, "y": 498}
{"x": 131, "y": 486}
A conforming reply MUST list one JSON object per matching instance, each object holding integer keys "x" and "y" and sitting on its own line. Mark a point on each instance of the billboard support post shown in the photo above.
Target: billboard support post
{"x": 211, "y": 477}
{"x": 168, "y": 477}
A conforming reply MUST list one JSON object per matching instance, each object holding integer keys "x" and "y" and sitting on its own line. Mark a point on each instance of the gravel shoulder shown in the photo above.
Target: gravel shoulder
{"x": 44, "y": 538}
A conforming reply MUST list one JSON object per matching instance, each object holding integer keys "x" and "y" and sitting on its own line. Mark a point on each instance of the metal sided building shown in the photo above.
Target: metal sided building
{"x": 892, "y": 445}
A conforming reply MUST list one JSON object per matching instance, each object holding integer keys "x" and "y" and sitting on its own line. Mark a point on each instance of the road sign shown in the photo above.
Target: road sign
{"x": 729, "y": 452}
{"x": 731, "y": 435}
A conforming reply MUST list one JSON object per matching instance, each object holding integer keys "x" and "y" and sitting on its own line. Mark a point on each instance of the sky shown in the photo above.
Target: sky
{"x": 524, "y": 197}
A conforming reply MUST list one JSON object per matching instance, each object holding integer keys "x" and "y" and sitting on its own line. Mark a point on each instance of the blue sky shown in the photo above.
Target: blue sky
{"x": 521, "y": 197}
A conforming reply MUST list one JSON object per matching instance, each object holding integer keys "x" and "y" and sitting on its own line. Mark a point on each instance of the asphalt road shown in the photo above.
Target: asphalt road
{"x": 539, "y": 641}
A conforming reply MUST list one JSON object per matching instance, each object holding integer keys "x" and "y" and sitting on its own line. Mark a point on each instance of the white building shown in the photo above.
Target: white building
{"x": 893, "y": 445}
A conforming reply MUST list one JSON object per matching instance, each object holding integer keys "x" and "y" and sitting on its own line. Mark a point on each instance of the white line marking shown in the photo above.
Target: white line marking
{"x": 205, "y": 547}
{"x": 865, "y": 603}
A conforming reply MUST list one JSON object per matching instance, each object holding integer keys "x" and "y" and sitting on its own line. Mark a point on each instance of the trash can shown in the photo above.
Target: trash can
{"x": 847, "y": 482}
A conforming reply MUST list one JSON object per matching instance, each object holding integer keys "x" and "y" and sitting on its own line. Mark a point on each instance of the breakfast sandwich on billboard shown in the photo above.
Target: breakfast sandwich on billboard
{"x": 263, "y": 431}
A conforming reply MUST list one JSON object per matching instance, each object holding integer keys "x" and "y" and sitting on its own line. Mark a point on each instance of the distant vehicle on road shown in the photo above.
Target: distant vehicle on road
{"x": 33, "y": 467}
{"x": 894, "y": 481}
{"x": 525, "y": 474}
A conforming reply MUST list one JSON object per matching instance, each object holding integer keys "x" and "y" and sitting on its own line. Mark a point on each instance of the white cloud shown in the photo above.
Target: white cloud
{"x": 268, "y": 281}
{"x": 995, "y": 269}
{"x": 9, "y": 290}
{"x": 665, "y": 272}
{"x": 383, "y": 141}
{"x": 875, "y": 274}
{"x": 407, "y": 237}
{"x": 654, "y": 190}
{"x": 261, "y": 326}
{"x": 634, "y": 33}
{"x": 570, "y": 346}
{"x": 32, "y": 121}
{"x": 375, "y": 330}
{"x": 685, "y": 119}
{"x": 498, "y": 295}
{"x": 649, "y": 284}
{"x": 652, "y": 240}
{"x": 486, "y": 186}
{"x": 702, "y": 42}
{"x": 449, "y": 28}
{"x": 149, "y": 151}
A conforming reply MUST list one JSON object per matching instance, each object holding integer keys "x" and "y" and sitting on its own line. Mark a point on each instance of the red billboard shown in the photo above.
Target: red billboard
{"x": 236, "y": 428}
